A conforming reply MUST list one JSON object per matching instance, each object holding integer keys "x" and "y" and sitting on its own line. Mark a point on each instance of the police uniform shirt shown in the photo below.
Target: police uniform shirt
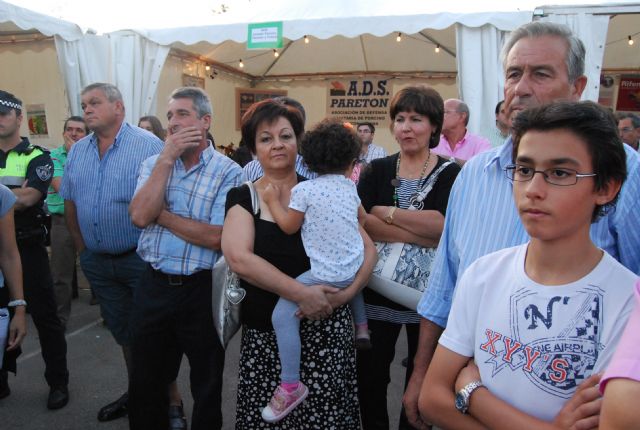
{"x": 39, "y": 170}
{"x": 39, "y": 173}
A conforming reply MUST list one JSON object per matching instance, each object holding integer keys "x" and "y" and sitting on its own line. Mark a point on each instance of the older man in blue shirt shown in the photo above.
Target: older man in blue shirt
{"x": 98, "y": 184}
{"x": 543, "y": 62}
{"x": 179, "y": 202}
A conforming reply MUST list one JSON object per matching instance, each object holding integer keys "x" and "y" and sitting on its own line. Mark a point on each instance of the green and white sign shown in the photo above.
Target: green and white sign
{"x": 265, "y": 35}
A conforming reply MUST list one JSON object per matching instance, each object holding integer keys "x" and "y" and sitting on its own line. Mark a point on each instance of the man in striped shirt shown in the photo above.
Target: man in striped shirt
{"x": 543, "y": 62}
{"x": 179, "y": 201}
{"x": 97, "y": 186}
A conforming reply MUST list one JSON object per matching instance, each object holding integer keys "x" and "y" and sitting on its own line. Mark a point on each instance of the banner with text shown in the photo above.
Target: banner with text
{"x": 360, "y": 100}
{"x": 629, "y": 93}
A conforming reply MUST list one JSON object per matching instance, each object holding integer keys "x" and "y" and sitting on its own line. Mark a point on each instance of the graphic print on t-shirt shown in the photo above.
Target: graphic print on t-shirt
{"x": 554, "y": 340}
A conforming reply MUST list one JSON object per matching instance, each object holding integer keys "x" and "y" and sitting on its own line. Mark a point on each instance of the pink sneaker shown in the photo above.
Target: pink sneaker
{"x": 282, "y": 403}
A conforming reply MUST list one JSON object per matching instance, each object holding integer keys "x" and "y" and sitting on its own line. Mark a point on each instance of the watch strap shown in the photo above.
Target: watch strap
{"x": 18, "y": 302}
{"x": 389, "y": 218}
{"x": 465, "y": 395}
{"x": 472, "y": 386}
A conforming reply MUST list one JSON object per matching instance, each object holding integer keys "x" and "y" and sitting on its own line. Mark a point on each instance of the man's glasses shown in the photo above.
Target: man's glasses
{"x": 554, "y": 176}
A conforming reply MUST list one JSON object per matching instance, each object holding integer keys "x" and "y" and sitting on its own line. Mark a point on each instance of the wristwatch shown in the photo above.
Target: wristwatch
{"x": 389, "y": 218}
{"x": 463, "y": 396}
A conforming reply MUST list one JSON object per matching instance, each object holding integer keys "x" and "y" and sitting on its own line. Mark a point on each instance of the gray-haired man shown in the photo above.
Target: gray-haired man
{"x": 543, "y": 62}
{"x": 179, "y": 201}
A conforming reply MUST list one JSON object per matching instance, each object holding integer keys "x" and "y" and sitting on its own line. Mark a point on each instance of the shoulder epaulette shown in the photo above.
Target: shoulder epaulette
{"x": 33, "y": 147}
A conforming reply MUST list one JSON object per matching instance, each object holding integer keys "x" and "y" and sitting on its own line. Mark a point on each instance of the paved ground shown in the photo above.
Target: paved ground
{"x": 97, "y": 377}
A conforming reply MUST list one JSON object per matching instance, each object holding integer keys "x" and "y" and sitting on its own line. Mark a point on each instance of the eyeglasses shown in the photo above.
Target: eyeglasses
{"x": 554, "y": 176}
{"x": 451, "y": 111}
{"x": 625, "y": 129}
{"x": 364, "y": 131}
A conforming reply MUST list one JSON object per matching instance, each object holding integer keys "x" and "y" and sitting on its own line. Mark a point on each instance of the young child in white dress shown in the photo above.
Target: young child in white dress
{"x": 327, "y": 210}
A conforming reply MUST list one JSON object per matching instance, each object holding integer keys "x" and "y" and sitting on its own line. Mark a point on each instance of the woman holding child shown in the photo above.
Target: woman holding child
{"x": 389, "y": 189}
{"x": 268, "y": 260}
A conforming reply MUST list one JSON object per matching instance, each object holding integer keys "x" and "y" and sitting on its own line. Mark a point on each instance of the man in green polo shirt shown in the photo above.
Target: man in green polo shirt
{"x": 63, "y": 255}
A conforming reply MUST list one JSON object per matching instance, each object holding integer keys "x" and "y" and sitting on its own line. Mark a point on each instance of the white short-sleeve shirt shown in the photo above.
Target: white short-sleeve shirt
{"x": 534, "y": 344}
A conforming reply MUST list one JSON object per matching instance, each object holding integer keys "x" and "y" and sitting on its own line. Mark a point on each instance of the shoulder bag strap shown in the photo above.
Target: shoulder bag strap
{"x": 255, "y": 199}
{"x": 428, "y": 185}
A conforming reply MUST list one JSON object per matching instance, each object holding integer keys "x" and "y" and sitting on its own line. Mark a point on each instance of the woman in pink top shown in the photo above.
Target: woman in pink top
{"x": 622, "y": 378}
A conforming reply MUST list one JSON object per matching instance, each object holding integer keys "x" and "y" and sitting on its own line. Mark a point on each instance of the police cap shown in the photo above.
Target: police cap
{"x": 8, "y": 101}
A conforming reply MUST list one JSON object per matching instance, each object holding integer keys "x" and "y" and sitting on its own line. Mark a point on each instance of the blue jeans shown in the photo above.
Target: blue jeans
{"x": 287, "y": 326}
{"x": 114, "y": 279}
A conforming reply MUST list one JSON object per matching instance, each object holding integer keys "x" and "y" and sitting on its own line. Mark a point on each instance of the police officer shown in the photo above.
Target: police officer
{"x": 27, "y": 170}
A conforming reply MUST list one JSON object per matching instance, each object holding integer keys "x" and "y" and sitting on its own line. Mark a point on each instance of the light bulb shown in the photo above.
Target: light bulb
{"x": 437, "y": 49}
{"x": 399, "y": 37}
{"x": 306, "y": 39}
{"x": 630, "y": 42}
{"x": 241, "y": 64}
{"x": 276, "y": 53}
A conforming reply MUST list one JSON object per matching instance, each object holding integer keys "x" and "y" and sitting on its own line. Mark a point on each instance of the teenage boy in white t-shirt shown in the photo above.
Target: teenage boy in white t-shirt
{"x": 530, "y": 323}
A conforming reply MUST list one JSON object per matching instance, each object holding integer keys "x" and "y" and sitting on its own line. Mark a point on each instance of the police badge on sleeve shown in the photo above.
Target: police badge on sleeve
{"x": 44, "y": 172}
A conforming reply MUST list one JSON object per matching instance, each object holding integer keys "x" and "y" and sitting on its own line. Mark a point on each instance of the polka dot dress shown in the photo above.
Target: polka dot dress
{"x": 328, "y": 369}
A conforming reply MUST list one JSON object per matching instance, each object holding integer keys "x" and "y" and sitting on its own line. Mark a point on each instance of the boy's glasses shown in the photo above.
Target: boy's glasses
{"x": 554, "y": 176}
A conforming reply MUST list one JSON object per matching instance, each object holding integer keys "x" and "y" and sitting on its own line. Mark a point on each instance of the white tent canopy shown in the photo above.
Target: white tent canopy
{"x": 126, "y": 59}
{"x": 356, "y": 37}
{"x": 14, "y": 19}
{"x": 364, "y": 19}
{"x": 359, "y": 37}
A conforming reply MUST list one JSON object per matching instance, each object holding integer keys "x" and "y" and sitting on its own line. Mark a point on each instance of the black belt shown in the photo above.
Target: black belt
{"x": 120, "y": 254}
{"x": 180, "y": 280}
{"x": 37, "y": 231}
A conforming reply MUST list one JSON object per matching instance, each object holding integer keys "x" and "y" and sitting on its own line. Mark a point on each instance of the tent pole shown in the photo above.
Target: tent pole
{"x": 364, "y": 54}
{"x": 276, "y": 60}
{"x": 436, "y": 42}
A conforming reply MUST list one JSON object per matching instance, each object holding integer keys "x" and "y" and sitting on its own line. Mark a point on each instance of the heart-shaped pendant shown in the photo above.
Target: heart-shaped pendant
{"x": 236, "y": 295}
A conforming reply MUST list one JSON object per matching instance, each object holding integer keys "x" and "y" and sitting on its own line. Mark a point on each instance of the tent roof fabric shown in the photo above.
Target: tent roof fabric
{"x": 348, "y": 26}
{"x": 341, "y": 41}
{"x": 13, "y": 18}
